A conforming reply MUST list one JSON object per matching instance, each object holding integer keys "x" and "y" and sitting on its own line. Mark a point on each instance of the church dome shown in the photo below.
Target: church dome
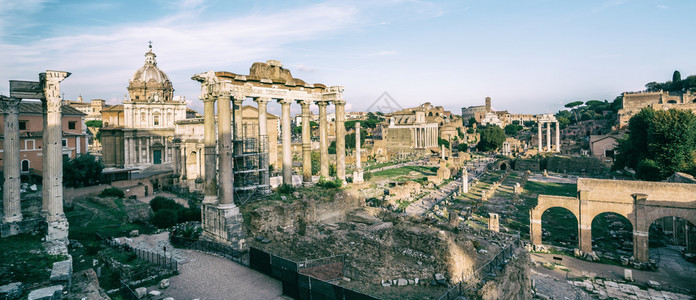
{"x": 149, "y": 83}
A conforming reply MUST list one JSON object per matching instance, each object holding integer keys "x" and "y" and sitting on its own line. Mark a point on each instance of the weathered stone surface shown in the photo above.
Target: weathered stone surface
{"x": 360, "y": 216}
{"x": 513, "y": 283}
{"x": 85, "y": 285}
{"x": 654, "y": 284}
{"x": 401, "y": 282}
{"x": 11, "y": 291}
{"x": 47, "y": 293}
{"x": 154, "y": 293}
{"x": 164, "y": 283}
{"x": 62, "y": 272}
{"x": 628, "y": 275}
{"x": 379, "y": 226}
{"x": 141, "y": 291}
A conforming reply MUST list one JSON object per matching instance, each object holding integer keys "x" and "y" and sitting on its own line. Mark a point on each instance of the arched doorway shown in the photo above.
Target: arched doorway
{"x": 612, "y": 235}
{"x": 503, "y": 166}
{"x": 559, "y": 227}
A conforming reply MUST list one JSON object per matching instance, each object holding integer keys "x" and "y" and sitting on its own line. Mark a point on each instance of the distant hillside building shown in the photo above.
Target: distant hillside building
{"x": 31, "y": 135}
{"x": 91, "y": 109}
{"x": 484, "y": 115}
{"x": 633, "y": 102}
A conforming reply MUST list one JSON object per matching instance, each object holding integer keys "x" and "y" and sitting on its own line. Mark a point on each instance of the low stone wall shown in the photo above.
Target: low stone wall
{"x": 532, "y": 164}
{"x": 566, "y": 164}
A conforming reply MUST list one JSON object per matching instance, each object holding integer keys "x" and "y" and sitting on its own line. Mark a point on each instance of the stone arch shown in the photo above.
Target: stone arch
{"x": 544, "y": 202}
{"x": 552, "y": 213}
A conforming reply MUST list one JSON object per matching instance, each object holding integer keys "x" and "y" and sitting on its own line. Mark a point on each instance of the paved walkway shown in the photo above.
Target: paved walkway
{"x": 210, "y": 277}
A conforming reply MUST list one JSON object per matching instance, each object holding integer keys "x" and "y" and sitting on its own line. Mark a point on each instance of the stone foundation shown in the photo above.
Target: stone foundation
{"x": 223, "y": 224}
{"x": 57, "y": 237}
{"x": 24, "y": 226}
{"x": 514, "y": 283}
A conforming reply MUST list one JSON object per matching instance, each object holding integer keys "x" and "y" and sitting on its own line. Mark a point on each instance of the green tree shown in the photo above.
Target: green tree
{"x": 350, "y": 139}
{"x": 94, "y": 123}
{"x": 572, "y": 105}
{"x": 441, "y": 141}
{"x": 472, "y": 121}
{"x": 659, "y": 143}
{"x": 84, "y": 170}
{"x": 492, "y": 137}
{"x": 512, "y": 129}
{"x": 676, "y": 76}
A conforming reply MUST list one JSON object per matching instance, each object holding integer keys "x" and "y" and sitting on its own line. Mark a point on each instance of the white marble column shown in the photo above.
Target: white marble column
{"x": 11, "y": 166}
{"x": 57, "y": 232}
{"x": 539, "y": 125}
{"x": 340, "y": 139}
{"x": 465, "y": 180}
{"x": 287, "y": 141}
{"x": 323, "y": 139}
{"x": 358, "y": 173}
{"x": 306, "y": 143}
{"x": 548, "y": 136}
{"x": 211, "y": 188}
{"x": 558, "y": 138}
{"x": 225, "y": 175}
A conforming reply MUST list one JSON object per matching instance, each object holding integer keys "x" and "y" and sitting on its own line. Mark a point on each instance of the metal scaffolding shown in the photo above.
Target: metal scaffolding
{"x": 251, "y": 164}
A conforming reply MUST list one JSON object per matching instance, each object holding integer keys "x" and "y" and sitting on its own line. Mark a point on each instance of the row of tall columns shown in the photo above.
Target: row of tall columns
{"x": 287, "y": 147}
{"x": 424, "y": 137}
{"x": 548, "y": 147}
{"x": 358, "y": 173}
{"x": 340, "y": 139}
{"x": 11, "y": 167}
{"x": 323, "y": 140}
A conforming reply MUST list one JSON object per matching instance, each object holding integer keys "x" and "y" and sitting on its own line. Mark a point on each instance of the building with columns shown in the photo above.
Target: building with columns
{"x": 549, "y": 120}
{"x": 144, "y": 136}
{"x": 30, "y": 126}
{"x": 408, "y": 131}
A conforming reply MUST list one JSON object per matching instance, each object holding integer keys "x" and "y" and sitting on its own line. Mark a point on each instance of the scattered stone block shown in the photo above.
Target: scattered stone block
{"x": 386, "y": 283}
{"x": 141, "y": 292}
{"x": 48, "y": 293}
{"x": 628, "y": 274}
{"x": 346, "y": 279}
{"x": 168, "y": 298}
{"x": 379, "y": 226}
{"x": 164, "y": 283}
{"x": 654, "y": 284}
{"x": 11, "y": 291}
{"x": 154, "y": 293}
{"x": 411, "y": 282}
{"x": 401, "y": 282}
{"x": 134, "y": 233}
{"x": 61, "y": 272}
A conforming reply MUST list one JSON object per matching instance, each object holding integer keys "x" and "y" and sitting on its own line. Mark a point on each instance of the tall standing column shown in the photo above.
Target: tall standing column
{"x": 176, "y": 159}
{"x": 539, "y": 125}
{"x": 323, "y": 140}
{"x": 11, "y": 198}
{"x": 465, "y": 180}
{"x": 548, "y": 136}
{"x": 558, "y": 138}
{"x": 306, "y": 143}
{"x": 57, "y": 231}
{"x": 358, "y": 173}
{"x": 287, "y": 141}
{"x": 263, "y": 139}
{"x": 225, "y": 184}
{"x": 340, "y": 139}
{"x": 211, "y": 196}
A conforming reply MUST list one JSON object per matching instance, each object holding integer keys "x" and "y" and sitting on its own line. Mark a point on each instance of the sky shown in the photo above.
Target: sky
{"x": 529, "y": 56}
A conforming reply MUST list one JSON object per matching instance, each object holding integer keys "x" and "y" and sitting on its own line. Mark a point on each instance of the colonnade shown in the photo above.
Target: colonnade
{"x": 48, "y": 91}
{"x": 424, "y": 137}
{"x": 548, "y": 147}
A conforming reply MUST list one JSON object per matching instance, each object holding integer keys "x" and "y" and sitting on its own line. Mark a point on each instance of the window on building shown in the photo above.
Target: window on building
{"x": 609, "y": 153}
{"x": 71, "y": 125}
{"x": 65, "y": 156}
{"x": 29, "y": 144}
{"x": 22, "y": 125}
{"x": 25, "y": 165}
{"x": 156, "y": 118}
{"x": 65, "y": 142}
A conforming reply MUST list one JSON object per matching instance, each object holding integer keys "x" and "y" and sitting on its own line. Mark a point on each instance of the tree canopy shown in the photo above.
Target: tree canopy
{"x": 492, "y": 138}
{"x": 84, "y": 170}
{"x": 659, "y": 143}
{"x": 676, "y": 85}
{"x": 94, "y": 123}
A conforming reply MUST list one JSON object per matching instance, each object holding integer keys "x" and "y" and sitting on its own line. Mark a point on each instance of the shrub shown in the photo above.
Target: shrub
{"x": 285, "y": 189}
{"x": 164, "y": 218}
{"x": 188, "y": 214}
{"x": 160, "y": 202}
{"x": 367, "y": 176}
{"x": 112, "y": 192}
{"x": 330, "y": 184}
{"x": 93, "y": 248}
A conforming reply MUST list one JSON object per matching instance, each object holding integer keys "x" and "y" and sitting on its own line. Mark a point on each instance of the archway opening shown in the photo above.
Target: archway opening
{"x": 612, "y": 235}
{"x": 672, "y": 234}
{"x": 559, "y": 227}
{"x": 503, "y": 166}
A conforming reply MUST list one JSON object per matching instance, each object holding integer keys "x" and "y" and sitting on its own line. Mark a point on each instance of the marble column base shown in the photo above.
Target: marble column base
{"x": 57, "y": 237}
{"x": 358, "y": 176}
{"x": 224, "y": 224}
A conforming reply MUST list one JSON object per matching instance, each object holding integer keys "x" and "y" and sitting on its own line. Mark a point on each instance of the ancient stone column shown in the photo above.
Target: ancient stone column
{"x": 306, "y": 143}
{"x": 225, "y": 175}
{"x": 209, "y": 142}
{"x": 584, "y": 223}
{"x": 558, "y": 138}
{"x": 465, "y": 180}
{"x": 57, "y": 231}
{"x": 548, "y": 136}
{"x": 358, "y": 173}
{"x": 540, "y": 144}
{"x": 263, "y": 139}
{"x": 177, "y": 159}
{"x": 442, "y": 153}
{"x": 238, "y": 122}
{"x": 323, "y": 139}
{"x": 493, "y": 222}
{"x": 11, "y": 198}
{"x": 287, "y": 141}
{"x": 340, "y": 139}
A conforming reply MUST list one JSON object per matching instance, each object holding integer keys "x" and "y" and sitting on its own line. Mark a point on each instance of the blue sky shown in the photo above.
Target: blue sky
{"x": 528, "y": 56}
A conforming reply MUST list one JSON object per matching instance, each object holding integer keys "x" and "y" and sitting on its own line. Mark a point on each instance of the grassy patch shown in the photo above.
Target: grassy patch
{"x": 550, "y": 188}
{"x": 18, "y": 263}
{"x": 405, "y": 171}
{"x": 113, "y": 217}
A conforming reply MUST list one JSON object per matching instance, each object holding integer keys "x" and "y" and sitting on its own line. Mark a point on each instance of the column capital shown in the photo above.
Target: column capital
{"x": 284, "y": 101}
{"x": 9, "y": 104}
{"x": 209, "y": 99}
{"x": 262, "y": 100}
{"x": 339, "y": 102}
{"x": 303, "y": 103}
{"x": 223, "y": 94}
{"x": 321, "y": 103}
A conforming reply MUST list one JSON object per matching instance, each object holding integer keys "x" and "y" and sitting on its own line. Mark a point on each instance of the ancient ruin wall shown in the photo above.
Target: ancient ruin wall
{"x": 514, "y": 283}
{"x": 622, "y": 191}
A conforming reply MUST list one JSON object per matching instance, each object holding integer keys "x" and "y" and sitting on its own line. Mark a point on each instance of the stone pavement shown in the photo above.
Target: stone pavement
{"x": 424, "y": 204}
